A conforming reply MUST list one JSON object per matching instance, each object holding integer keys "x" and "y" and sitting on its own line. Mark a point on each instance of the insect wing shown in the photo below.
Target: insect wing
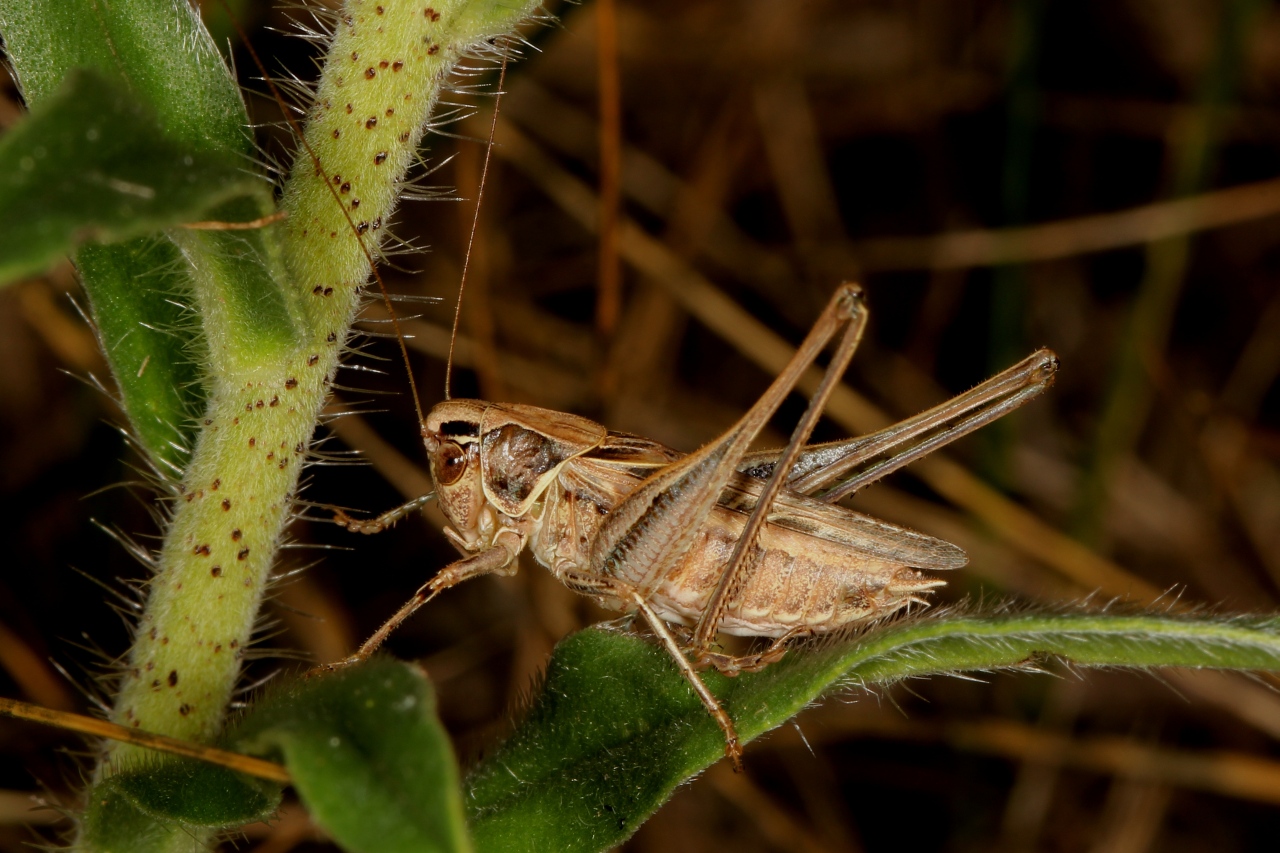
{"x": 860, "y": 533}
{"x": 623, "y": 460}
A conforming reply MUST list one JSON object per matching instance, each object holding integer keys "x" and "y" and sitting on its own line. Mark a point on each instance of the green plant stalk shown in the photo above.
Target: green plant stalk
{"x": 269, "y": 379}
{"x": 232, "y": 504}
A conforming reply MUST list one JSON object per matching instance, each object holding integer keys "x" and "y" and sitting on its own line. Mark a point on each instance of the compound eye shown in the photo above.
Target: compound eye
{"x": 451, "y": 462}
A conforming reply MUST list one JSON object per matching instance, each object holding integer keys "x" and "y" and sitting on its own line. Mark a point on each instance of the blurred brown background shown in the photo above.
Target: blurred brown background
{"x": 1096, "y": 177}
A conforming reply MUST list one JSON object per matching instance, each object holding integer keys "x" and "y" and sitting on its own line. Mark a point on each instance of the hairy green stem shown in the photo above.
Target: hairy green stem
{"x": 275, "y": 321}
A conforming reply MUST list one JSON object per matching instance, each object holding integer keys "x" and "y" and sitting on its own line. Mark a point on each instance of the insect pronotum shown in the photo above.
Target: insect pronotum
{"x": 721, "y": 540}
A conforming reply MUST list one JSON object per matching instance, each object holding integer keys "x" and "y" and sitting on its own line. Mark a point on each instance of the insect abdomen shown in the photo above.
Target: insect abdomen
{"x": 798, "y": 582}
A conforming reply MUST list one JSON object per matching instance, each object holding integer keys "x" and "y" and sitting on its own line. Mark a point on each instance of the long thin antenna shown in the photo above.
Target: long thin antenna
{"x": 315, "y": 160}
{"x": 475, "y": 224}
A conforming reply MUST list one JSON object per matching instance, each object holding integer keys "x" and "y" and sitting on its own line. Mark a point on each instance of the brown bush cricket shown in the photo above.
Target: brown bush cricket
{"x": 722, "y": 539}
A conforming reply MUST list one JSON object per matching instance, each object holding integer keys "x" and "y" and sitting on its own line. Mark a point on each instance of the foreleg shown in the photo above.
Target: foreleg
{"x": 498, "y": 560}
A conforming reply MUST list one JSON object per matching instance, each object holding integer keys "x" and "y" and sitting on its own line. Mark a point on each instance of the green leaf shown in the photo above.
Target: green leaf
{"x": 93, "y": 163}
{"x": 196, "y": 794}
{"x": 137, "y": 292}
{"x": 113, "y": 823}
{"x": 368, "y": 757}
{"x": 160, "y": 808}
{"x": 138, "y": 288}
{"x": 616, "y": 729}
{"x": 159, "y": 47}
